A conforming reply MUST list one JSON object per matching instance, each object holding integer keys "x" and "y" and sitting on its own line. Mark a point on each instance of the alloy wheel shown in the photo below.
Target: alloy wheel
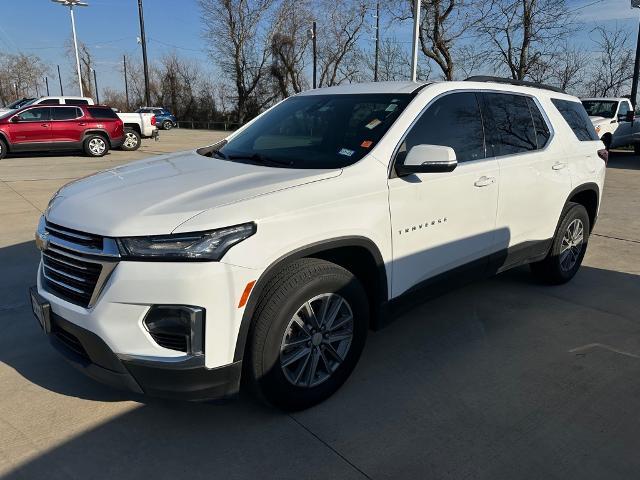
{"x": 130, "y": 140}
{"x": 572, "y": 245}
{"x": 316, "y": 340}
{"x": 97, "y": 146}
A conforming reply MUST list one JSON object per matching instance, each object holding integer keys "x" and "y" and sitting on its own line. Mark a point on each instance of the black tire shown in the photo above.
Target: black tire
{"x": 286, "y": 293}
{"x": 167, "y": 125}
{"x": 132, "y": 140}
{"x": 94, "y": 140}
{"x": 553, "y": 269}
{"x": 3, "y": 149}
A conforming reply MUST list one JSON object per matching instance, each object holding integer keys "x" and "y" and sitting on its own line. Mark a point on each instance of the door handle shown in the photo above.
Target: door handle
{"x": 559, "y": 165}
{"x": 82, "y": 124}
{"x": 44, "y": 125}
{"x": 485, "y": 181}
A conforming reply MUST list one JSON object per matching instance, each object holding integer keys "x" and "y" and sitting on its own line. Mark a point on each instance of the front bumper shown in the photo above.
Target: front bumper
{"x": 186, "y": 379}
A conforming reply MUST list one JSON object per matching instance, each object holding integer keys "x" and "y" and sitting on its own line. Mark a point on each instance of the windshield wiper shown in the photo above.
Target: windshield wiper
{"x": 257, "y": 157}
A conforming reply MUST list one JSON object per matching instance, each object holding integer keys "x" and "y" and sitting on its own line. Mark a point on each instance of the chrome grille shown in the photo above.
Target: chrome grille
{"x": 75, "y": 265}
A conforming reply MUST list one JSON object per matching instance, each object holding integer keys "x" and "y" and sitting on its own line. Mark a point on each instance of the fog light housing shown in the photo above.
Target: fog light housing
{"x": 177, "y": 327}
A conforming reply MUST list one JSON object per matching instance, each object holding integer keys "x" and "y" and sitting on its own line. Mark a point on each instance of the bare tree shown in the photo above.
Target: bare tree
{"x": 525, "y": 33}
{"x": 394, "y": 62}
{"x": 470, "y": 61}
{"x": 341, "y": 25}
{"x": 237, "y": 44}
{"x": 289, "y": 45}
{"x": 443, "y": 26}
{"x": 20, "y": 76}
{"x": 568, "y": 68}
{"x": 613, "y": 69}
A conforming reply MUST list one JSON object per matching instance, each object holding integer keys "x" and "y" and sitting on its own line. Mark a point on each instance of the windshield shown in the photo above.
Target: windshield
{"x": 317, "y": 131}
{"x": 20, "y": 103}
{"x": 600, "y": 108}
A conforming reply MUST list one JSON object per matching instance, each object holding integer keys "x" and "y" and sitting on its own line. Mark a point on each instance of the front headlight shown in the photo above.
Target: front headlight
{"x": 202, "y": 246}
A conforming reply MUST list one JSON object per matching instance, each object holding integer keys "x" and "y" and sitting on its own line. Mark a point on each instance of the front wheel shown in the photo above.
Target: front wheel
{"x": 167, "y": 125}
{"x": 96, "y": 146}
{"x": 568, "y": 248}
{"x": 132, "y": 140}
{"x": 310, "y": 329}
{"x": 3, "y": 149}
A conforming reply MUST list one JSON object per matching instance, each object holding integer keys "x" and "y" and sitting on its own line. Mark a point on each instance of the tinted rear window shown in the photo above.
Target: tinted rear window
{"x": 577, "y": 118}
{"x": 509, "y": 124}
{"x": 76, "y": 102}
{"x": 50, "y": 101}
{"x": 542, "y": 129}
{"x": 103, "y": 113}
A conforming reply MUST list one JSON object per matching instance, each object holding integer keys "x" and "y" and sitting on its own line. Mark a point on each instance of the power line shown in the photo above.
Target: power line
{"x": 585, "y": 6}
{"x": 176, "y": 46}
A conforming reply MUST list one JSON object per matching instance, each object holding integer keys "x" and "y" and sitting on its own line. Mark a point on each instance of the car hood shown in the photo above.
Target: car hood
{"x": 599, "y": 120}
{"x": 154, "y": 196}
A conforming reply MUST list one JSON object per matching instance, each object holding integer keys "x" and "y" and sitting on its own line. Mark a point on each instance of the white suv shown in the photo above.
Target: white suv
{"x": 272, "y": 253}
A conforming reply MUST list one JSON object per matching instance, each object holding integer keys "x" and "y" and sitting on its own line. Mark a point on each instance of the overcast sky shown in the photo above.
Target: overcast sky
{"x": 110, "y": 28}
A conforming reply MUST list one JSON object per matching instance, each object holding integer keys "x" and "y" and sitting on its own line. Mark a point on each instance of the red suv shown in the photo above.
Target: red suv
{"x": 92, "y": 128}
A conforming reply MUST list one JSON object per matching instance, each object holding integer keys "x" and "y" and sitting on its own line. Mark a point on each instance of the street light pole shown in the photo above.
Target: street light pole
{"x": 636, "y": 68}
{"x": 143, "y": 40}
{"x": 71, "y": 4}
{"x": 416, "y": 34}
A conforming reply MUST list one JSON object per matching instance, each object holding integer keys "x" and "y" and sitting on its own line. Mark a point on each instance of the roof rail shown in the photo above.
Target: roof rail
{"x": 511, "y": 81}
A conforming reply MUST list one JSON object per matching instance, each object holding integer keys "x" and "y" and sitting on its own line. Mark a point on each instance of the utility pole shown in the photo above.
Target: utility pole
{"x": 60, "y": 80}
{"x": 375, "y": 68}
{"x": 95, "y": 80}
{"x": 71, "y": 4}
{"x": 46, "y": 82}
{"x": 143, "y": 40}
{"x": 636, "y": 68}
{"x": 126, "y": 82}
{"x": 416, "y": 35}
{"x": 313, "y": 34}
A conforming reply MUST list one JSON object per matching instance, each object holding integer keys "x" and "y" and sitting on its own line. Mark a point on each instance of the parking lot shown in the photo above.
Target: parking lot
{"x": 504, "y": 378}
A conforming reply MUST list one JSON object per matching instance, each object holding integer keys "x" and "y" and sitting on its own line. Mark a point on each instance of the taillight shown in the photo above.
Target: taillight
{"x": 153, "y": 120}
{"x": 604, "y": 155}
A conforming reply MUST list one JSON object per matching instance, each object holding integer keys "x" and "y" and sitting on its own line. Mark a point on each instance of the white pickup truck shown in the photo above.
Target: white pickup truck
{"x": 614, "y": 120}
{"x": 138, "y": 126}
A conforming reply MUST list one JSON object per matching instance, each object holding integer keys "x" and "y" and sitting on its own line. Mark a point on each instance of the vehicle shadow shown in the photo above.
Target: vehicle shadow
{"x": 477, "y": 383}
{"x": 626, "y": 160}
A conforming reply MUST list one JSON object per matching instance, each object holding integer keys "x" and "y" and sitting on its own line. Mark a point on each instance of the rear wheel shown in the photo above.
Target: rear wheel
{"x": 310, "y": 329}
{"x": 132, "y": 140}
{"x": 96, "y": 146}
{"x": 167, "y": 125}
{"x": 568, "y": 248}
{"x": 3, "y": 149}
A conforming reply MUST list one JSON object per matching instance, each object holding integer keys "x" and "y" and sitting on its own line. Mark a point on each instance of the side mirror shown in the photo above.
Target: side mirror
{"x": 630, "y": 116}
{"x": 428, "y": 159}
{"x": 15, "y": 119}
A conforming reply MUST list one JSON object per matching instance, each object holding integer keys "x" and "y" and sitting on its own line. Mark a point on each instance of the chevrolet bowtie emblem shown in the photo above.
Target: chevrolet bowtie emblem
{"x": 42, "y": 240}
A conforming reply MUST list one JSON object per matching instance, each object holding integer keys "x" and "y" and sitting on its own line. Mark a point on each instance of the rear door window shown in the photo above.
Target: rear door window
{"x": 103, "y": 113}
{"x": 451, "y": 121}
{"x": 576, "y": 117}
{"x": 542, "y": 128}
{"x": 65, "y": 113}
{"x": 509, "y": 124}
